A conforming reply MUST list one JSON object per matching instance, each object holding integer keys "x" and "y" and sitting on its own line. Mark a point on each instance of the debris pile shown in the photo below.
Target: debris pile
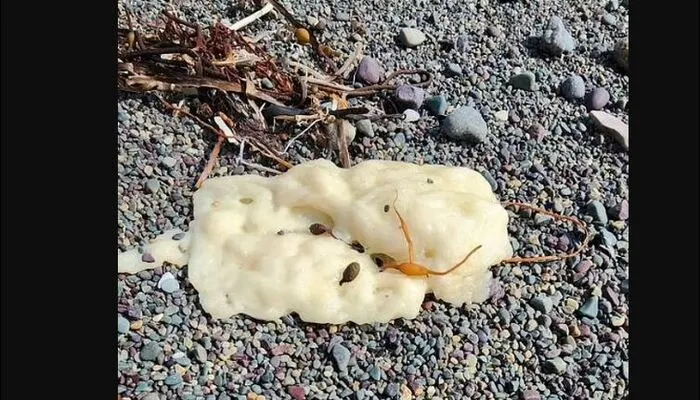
{"x": 223, "y": 69}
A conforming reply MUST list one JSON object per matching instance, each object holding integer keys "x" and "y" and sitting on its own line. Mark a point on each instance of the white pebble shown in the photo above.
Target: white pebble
{"x": 501, "y": 115}
{"x": 164, "y": 278}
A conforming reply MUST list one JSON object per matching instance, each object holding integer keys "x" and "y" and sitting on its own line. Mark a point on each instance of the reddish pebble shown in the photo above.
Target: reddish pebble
{"x": 612, "y": 296}
{"x": 277, "y": 350}
{"x": 530, "y": 395}
{"x": 297, "y": 392}
{"x": 537, "y": 131}
{"x": 585, "y": 330}
{"x": 623, "y": 210}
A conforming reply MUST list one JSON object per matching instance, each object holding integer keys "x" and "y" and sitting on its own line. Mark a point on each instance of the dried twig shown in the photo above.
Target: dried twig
{"x": 344, "y": 71}
{"x": 296, "y": 118}
{"x": 166, "y": 50}
{"x": 251, "y": 18}
{"x": 240, "y": 151}
{"x": 187, "y": 84}
{"x": 573, "y": 220}
{"x": 260, "y": 167}
{"x": 256, "y": 144}
{"x": 289, "y": 144}
{"x": 225, "y": 128}
{"x": 194, "y": 117}
{"x": 210, "y": 163}
{"x": 373, "y": 89}
{"x": 325, "y": 84}
{"x": 306, "y": 69}
{"x": 342, "y": 137}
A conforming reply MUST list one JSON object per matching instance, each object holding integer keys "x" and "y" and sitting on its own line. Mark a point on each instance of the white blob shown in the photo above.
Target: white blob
{"x": 239, "y": 263}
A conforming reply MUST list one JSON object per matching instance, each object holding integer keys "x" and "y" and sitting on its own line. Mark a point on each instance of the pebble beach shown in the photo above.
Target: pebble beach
{"x": 534, "y": 96}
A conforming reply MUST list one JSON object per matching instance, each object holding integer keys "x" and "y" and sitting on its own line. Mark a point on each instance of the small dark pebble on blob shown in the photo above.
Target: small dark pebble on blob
{"x": 147, "y": 258}
{"x": 350, "y": 273}
{"x": 318, "y": 229}
{"x": 357, "y": 246}
{"x": 179, "y": 236}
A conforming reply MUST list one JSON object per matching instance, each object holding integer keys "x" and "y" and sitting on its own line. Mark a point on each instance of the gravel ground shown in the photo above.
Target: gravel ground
{"x": 550, "y": 331}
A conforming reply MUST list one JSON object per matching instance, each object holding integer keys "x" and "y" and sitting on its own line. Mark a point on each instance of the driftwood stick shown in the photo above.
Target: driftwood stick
{"x": 251, "y": 18}
{"x": 210, "y": 163}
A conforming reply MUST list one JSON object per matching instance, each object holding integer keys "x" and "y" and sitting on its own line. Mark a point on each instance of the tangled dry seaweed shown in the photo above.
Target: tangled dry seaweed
{"x": 221, "y": 67}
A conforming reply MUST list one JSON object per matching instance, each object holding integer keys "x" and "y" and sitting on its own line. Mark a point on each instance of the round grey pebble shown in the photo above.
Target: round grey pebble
{"x": 596, "y": 209}
{"x": 590, "y": 307}
{"x": 556, "y": 365}
{"x": 493, "y": 30}
{"x": 453, "y": 69}
{"x": 542, "y": 304}
{"x": 556, "y": 37}
{"x": 513, "y": 116}
{"x": 170, "y": 285}
{"x": 462, "y": 43}
{"x": 399, "y": 140}
{"x": 168, "y": 162}
{"x": 597, "y": 98}
{"x": 609, "y": 19}
{"x": 364, "y": 127}
{"x": 607, "y": 238}
{"x": 530, "y": 395}
{"x": 573, "y": 88}
{"x": 267, "y": 377}
{"x": 341, "y": 355}
{"x": 122, "y": 324}
{"x": 392, "y": 390}
{"x": 173, "y": 380}
{"x": 150, "y": 351}
{"x": 152, "y": 186}
{"x": 374, "y": 372}
{"x": 411, "y": 37}
{"x": 342, "y": 16}
{"x": 465, "y": 123}
{"x": 200, "y": 353}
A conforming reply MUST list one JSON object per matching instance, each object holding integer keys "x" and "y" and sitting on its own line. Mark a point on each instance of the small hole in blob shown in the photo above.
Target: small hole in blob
{"x": 430, "y": 181}
{"x": 430, "y": 253}
{"x": 246, "y": 200}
